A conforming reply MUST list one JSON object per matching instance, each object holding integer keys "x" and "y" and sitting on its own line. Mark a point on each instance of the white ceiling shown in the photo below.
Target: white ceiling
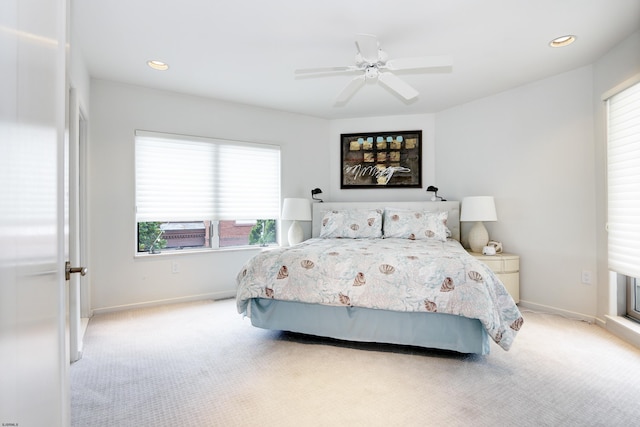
{"x": 246, "y": 51}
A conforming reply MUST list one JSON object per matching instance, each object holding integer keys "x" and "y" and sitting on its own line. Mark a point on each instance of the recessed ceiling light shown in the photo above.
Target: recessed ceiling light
{"x": 158, "y": 65}
{"x": 562, "y": 41}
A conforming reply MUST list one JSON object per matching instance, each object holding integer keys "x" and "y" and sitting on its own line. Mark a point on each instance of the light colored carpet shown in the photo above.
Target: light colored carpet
{"x": 202, "y": 364}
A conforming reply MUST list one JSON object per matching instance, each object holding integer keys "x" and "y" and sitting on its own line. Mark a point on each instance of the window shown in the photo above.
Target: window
{"x": 633, "y": 298}
{"x": 194, "y": 192}
{"x": 623, "y": 176}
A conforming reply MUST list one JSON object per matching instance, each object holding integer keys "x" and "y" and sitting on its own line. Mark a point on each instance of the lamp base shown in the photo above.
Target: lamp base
{"x": 295, "y": 234}
{"x": 478, "y": 237}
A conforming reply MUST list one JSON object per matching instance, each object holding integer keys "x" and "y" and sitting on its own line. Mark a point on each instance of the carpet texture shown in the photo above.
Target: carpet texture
{"x": 202, "y": 364}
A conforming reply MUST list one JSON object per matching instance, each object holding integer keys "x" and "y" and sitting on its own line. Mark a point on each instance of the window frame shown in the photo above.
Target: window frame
{"x": 628, "y": 275}
{"x": 633, "y": 298}
{"x": 271, "y": 196}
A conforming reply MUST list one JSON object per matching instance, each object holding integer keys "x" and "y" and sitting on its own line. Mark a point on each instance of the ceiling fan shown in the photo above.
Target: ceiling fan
{"x": 372, "y": 64}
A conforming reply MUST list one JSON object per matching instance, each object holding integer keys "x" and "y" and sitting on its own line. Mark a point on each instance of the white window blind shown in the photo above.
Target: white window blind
{"x": 623, "y": 159}
{"x": 182, "y": 178}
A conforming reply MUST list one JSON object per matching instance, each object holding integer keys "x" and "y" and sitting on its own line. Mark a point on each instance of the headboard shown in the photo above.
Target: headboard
{"x": 453, "y": 221}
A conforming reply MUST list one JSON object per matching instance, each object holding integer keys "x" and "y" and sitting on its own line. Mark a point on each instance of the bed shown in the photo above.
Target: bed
{"x": 386, "y": 272}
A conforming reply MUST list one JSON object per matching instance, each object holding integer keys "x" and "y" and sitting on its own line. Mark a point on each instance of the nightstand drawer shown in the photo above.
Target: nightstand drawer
{"x": 511, "y": 265}
{"x": 501, "y": 264}
{"x": 494, "y": 264}
{"x": 507, "y": 269}
{"x": 511, "y": 282}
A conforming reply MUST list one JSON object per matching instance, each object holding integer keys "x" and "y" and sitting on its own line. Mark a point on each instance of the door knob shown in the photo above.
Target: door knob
{"x": 68, "y": 270}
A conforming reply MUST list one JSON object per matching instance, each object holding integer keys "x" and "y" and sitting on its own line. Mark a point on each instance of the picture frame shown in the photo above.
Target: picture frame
{"x": 381, "y": 160}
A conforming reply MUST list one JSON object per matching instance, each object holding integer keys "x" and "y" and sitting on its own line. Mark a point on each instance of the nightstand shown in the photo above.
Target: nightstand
{"x": 507, "y": 268}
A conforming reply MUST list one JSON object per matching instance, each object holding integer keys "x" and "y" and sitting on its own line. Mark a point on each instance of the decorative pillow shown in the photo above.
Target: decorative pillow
{"x": 416, "y": 225}
{"x": 352, "y": 224}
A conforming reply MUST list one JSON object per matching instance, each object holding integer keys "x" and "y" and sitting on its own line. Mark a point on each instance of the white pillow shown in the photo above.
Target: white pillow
{"x": 416, "y": 225}
{"x": 352, "y": 224}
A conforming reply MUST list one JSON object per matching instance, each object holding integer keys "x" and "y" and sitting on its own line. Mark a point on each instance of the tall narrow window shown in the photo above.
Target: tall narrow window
{"x": 194, "y": 192}
{"x": 623, "y": 174}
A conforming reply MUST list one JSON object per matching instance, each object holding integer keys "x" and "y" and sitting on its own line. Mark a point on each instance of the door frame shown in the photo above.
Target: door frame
{"x": 85, "y": 288}
{"x": 78, "y": 285}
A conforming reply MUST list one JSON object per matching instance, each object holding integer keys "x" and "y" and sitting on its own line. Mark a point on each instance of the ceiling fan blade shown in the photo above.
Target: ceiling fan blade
{"x": 353, "y": 86}
{"x": 368, "y": 46}
{"x": 397, "y": 85}
{"x": 325, "y": 70}
{"x": 419, "y": 62}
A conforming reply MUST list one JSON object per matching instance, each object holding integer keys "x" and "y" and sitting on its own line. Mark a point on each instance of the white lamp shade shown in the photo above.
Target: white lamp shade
{"x": 478, "y": 208}
{"x": 296, "y": 210}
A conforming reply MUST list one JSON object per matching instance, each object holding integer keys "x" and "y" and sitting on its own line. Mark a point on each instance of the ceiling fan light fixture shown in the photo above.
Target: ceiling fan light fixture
{"x": 371, "y": 73}
{"x": 158, "y": 65}
{"x": 562, "y": 41}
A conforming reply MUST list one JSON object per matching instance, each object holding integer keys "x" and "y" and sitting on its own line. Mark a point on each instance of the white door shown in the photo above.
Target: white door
{"x": 34, "y": 385}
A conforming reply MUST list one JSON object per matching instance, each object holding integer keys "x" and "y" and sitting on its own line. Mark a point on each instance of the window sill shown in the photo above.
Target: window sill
{"x": 624, "y": 328}
{"x": 173, "y": 253}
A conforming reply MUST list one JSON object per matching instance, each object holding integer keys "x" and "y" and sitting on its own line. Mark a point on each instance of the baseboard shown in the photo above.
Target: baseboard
{"x": 155, "y": 303}
{"x": 553, "y": 310}
{"x": 623, "y": 328}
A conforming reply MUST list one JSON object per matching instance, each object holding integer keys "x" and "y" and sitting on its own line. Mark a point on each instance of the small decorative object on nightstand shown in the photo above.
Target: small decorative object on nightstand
{"x": 507, "y": 268}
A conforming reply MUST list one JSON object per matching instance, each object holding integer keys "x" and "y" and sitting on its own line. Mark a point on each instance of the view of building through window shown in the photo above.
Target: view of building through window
{"x": 154, "y": 237}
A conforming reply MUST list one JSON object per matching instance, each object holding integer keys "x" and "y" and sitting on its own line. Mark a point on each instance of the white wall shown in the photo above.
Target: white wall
{"x": 117, "y": 110}
{"x": 533, "y": 149}
{"x": 615, "y": 67}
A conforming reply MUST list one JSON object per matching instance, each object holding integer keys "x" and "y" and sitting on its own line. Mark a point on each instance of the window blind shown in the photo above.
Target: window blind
{"x": 623, "y": 173}
{"x": 181, "y": 178}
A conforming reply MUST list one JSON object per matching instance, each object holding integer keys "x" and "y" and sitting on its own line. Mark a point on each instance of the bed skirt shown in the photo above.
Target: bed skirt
{"x": 430, "y": 330}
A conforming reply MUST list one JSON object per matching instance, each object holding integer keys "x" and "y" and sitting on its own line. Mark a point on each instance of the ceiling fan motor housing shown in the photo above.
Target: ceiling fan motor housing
{"x": 371, "y": 72}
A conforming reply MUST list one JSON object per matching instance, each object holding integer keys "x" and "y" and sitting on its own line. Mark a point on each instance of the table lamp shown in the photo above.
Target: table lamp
{"x": 478, "y": 209}
{"x": 296, "y": 210}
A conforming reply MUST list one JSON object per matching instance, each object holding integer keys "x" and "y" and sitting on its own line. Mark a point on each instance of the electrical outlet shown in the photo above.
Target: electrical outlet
{"x": 586, "y": 277}
{"x": 175, "y": 267}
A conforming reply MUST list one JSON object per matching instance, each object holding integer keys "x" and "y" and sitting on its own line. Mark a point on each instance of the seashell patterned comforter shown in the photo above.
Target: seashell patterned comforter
{"x": 388, "y": 274}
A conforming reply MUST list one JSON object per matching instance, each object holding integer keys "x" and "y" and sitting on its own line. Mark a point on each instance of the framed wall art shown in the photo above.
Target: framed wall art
{"x": 381, "y": 160}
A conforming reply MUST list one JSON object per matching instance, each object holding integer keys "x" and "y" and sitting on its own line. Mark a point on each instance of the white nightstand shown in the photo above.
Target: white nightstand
{"x": 507, "y": 268}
